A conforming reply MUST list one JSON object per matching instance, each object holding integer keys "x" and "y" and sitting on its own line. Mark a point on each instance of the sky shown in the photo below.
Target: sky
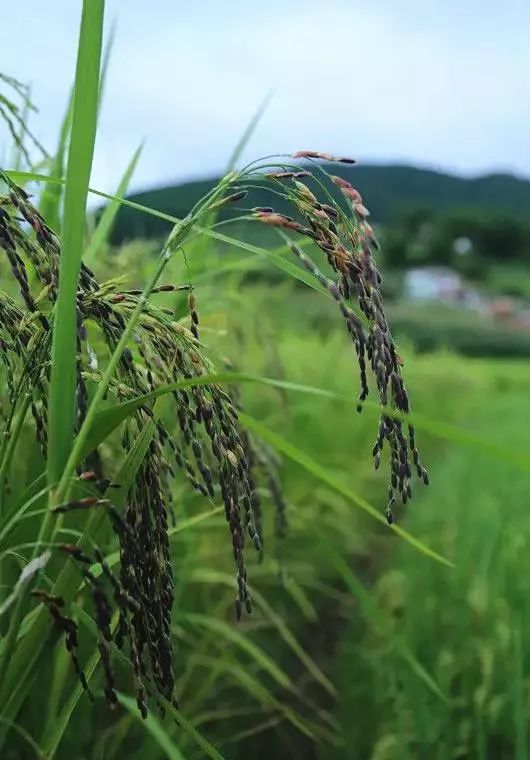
{"x": 438, "y": 83}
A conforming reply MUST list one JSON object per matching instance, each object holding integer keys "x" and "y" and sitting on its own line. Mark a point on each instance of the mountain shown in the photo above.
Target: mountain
{"x": 389, "y": 192}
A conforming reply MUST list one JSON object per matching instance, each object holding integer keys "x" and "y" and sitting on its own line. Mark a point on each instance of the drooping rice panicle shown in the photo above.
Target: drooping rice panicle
{"x": 199, "y": 436}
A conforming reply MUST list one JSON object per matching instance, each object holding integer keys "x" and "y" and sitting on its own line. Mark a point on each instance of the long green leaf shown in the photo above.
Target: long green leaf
{"x": 84, "y": 119}
{"x": 39, "y": 754}
{"x": 50, "y": 200}
{"x": 105, "y": 422}
{"x": 225, "y": 631}
{"x": 61, "y": 403}
{"x": 319, "y": 472}
{"x": 247, "y": 134}
{"x": 101, "y": 233}
{"x": 238, "y": 150}
{"x": 154, "y": 727}
{"x": 212, "y": 576}
{"x": 105, "y": 63}
{"x": 109, "y": 419}
{"x": 254, "y": 688}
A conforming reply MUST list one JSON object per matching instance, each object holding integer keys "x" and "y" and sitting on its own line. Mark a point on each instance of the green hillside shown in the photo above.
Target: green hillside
{"x": 389, "y": 191}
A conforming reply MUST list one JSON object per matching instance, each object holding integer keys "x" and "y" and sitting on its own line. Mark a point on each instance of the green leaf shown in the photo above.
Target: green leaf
{"x": 154, "y": 727}
{"x": 50, "y": 201}
{"x": 109, "y": 419}
{"x": 247, "y": 134}
{"x": 238, "y": 150}
{"x": 255, "y": 689}
{"x": 84, "y": 119}
{"x": 212, "y": 576}
{"x": 101, "y": 233}
{"x": 309, "y": 464}
{"x": 16, "y": 668}
{"x": 300, "y": 598}
{"x": 105, "y": 63}
{"x": 275, "y": 257}
{"x": 222, "y": 629}
{"x": 26, "y": 736}
{"x": 11, "y": 518}
{"x": 106, "y": 421}
{"x": 27, "y": 574}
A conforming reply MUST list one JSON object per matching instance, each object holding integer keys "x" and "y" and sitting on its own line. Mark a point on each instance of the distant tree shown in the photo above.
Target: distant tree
{"x": 421, "y": 237}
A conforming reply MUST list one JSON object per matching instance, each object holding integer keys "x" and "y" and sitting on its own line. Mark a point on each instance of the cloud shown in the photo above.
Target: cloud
{"x": 423, "y": 82}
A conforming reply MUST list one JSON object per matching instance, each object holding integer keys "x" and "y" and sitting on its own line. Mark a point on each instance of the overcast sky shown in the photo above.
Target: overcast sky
{"x": 441, "y": 83}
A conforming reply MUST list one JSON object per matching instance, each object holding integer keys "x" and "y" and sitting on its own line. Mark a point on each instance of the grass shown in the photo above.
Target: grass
{"x": 469, "y": 629}
{"x": 62, "y": 404}
{"x": 420, "y": 628}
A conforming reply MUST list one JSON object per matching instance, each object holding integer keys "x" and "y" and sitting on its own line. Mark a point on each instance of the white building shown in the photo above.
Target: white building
{"x": 433, "y": 284}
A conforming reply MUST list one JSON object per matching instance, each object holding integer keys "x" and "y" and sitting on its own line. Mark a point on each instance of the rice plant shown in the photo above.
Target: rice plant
{"x": 103, "y": 373}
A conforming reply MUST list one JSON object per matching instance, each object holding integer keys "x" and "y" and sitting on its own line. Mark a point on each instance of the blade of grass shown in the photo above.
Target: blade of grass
{"x": 19, "y": 148}
{"x": 61, "y": 408}
{"x": 10, "y": 519}
{"x": 154, "y": 727}
{"x": 255, "y": 689}
{"x": 50, "y": 200}
{"x": 26, "y": 736}
{"x": 247, "y": 134}
{"x": 11, "y": 444}
{"x": 61, "y": 403}
{"x": 519, "y": 700}
{"x": 52, "y": 193}
{"x": 225, "y": 631}
{"x": 309, "y": 464}
{"x": 105, "y": 62}
{"x": 239, "y": 148}
{"x": 215, "y": 577}
{"x": 104, "y": 226}
{"x": 108, "y": 419}
{"x": 61, "y": 671}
